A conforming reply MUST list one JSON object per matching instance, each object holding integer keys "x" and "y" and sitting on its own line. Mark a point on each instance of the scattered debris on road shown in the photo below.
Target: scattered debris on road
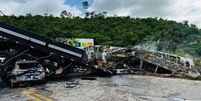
{"x": 71, "y": 84}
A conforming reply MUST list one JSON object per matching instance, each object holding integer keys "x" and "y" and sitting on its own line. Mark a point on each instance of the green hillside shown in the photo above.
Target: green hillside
{"x": 122, "y": 31}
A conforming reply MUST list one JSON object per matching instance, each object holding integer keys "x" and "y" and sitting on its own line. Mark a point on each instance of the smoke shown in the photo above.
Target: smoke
{"x": 139, "y": 46}
{"x": 148, "y": 45}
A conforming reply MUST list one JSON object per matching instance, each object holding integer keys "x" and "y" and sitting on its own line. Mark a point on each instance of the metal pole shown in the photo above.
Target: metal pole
{"x": 156, "y": 69}
{"x": 97, "y": 51}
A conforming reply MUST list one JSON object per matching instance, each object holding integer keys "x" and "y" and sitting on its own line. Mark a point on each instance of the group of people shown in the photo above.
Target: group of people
{"x": 104, "y": 59}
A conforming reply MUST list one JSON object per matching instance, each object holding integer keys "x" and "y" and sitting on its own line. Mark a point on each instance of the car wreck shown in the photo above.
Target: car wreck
{"x": 27, "y": 71}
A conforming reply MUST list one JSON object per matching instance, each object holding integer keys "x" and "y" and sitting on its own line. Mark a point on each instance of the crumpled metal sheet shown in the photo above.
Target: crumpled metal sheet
{"x": 164, "y": 63}
{"x": 28, "y": 74}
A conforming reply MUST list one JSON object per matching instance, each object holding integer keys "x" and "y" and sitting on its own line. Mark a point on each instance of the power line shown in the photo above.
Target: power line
{"x": 6, "y": 17}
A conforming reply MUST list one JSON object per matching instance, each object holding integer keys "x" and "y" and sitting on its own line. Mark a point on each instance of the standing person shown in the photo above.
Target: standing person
{"x": 104, "y": 56}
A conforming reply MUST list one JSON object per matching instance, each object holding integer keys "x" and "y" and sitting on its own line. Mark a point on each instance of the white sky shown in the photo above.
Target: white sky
{"x": 178, "y": 10}
{"x": 22, "y": 7}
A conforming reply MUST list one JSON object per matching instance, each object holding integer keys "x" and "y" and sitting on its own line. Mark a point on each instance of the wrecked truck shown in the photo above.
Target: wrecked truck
{"x": 19, "y": 44}
{"x": 134, "y": 60}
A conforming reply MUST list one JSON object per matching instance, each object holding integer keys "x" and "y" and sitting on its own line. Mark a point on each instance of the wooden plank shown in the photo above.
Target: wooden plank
{"x": 154, "y": 74}
{"x": 156, "y": 69}
{"x": 141, "y": 63}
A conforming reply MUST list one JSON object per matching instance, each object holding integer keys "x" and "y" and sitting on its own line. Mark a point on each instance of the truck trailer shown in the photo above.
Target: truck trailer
{"x": 17, "y": 44}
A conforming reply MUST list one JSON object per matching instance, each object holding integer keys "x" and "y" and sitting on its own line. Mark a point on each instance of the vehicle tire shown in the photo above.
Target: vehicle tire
{"x": 52, "y": 59}
{"x": 24, "y": 57}
{"x": 50, "y": 70}
{"x": 4, "y": 56}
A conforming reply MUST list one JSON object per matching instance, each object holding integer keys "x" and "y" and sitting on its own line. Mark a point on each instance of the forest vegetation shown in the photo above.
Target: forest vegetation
{"x": 180, "y": 38}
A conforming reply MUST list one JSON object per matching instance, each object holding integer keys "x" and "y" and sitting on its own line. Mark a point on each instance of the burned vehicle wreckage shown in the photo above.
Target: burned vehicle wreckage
{"x": 53, "y": 56}
{"x": 135, "y": 60}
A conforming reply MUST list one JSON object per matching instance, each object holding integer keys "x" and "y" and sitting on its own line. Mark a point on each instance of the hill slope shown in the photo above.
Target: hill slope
{"x": 117, "y": 31}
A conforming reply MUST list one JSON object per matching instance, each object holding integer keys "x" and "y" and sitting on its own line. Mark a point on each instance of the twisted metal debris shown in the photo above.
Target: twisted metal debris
{"x": 164, "y": 63}
{"x": 162, "y": 60}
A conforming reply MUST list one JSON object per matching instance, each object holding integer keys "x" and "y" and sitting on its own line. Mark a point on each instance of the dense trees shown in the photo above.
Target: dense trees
{"x": 121, "y": 31}
{"x": 85, "y": 5}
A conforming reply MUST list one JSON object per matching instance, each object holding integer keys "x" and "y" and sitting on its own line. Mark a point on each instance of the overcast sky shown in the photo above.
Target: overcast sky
{"x": 178, "y": 10}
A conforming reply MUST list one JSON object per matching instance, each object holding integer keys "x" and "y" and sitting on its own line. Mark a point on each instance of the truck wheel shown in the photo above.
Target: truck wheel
{"x": 50, "y": 70}
{"x": 24, "y": 57}
{"x": 53, "y": 60}
{"x": 8, "y": 69}
{"x": 4, "y": 57}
